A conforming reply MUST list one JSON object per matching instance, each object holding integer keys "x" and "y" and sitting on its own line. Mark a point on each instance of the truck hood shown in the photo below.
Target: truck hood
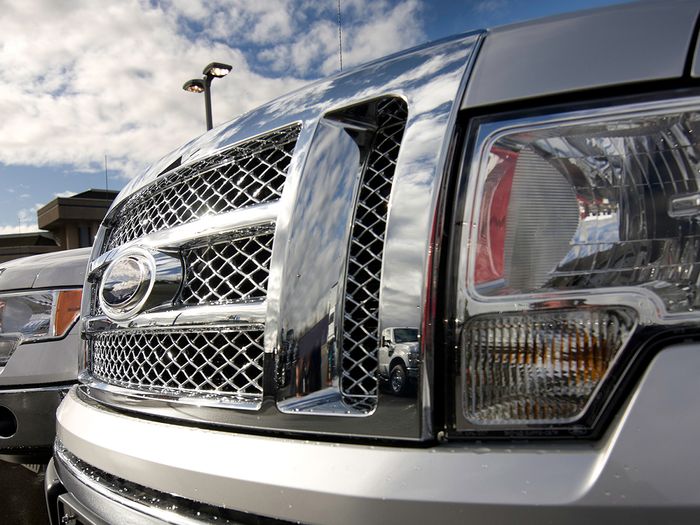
{"x": 50, "y": 270}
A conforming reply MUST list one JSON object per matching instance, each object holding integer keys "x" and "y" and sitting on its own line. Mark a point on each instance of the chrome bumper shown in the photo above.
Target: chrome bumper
{"x": 645, "y": 469}
{"x": 28, "y": 422}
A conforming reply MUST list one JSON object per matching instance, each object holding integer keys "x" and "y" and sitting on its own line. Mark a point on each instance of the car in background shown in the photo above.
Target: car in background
{"x": 398, "y": 358}
{"x": 39, "y": 343}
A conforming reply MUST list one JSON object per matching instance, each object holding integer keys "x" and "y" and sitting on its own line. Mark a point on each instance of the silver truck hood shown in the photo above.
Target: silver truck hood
{"x": 64, "y": 268}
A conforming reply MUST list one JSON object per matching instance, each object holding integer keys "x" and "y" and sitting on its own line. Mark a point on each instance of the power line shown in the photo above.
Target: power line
{"x": 106, "y": 179}
{"x": 340, "y": 38}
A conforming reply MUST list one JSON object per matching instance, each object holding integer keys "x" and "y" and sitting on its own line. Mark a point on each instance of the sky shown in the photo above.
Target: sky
{"x": 89, "y": 89}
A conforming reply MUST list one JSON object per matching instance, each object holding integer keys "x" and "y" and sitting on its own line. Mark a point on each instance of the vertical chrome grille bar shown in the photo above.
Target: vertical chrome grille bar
{"x": 359, "y": 383}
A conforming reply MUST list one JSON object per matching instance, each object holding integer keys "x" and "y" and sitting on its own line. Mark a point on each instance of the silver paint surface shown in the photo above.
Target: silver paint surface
{"x": 622, "y": 478}
{"x": 623, "y": 44}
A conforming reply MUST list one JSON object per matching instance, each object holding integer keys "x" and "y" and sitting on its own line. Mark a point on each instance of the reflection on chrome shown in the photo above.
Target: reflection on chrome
{"x": 344, "y": 266}
{"x": 399, "y": 359}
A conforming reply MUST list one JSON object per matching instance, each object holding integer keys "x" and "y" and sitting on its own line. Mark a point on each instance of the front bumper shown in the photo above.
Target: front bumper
{"x": 645, "y": 469}
{"x": 27, "y": 422}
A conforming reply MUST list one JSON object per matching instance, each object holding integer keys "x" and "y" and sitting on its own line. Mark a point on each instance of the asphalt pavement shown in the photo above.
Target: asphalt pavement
{"x": 22, "y": 501}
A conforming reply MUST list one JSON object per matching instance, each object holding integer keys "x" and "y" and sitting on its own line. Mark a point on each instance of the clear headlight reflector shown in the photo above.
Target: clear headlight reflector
{"x": 585, "y": 206}
{"x": 539, "y": 367}
{"x": 596, "y": 213}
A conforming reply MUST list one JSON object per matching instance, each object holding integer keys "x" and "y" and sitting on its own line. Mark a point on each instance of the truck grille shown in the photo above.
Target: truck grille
{"x": 227, "y": 270}
{"x": 360, "y": 323}
{"x": 230, "y": 267}
{"x": 247, "y": 174}
{"x": 194, "y": 363}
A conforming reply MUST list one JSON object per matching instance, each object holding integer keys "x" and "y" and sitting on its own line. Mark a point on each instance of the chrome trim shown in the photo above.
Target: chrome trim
{"x": 80, "y": 485}
{"x": 155, "y": 396}
{"x": 251, "y": 217}
{"x": 305, "y": 269}
{"x": 240, "y": 314}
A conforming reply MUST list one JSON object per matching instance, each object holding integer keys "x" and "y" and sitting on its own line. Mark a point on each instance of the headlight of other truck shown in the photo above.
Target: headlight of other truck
{"x": 28, "y": 317}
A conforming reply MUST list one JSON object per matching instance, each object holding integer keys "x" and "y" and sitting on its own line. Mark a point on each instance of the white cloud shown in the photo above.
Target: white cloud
{"x": 81, "y": 79}
{"x": 65, "y": 194}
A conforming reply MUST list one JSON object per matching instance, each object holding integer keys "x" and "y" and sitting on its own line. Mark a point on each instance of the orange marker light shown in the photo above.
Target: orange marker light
{"x": 67, "y": 310}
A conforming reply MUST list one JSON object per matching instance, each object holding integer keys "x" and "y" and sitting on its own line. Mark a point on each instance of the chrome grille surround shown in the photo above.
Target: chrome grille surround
{"x": 247, "y": 174}
{"x": 217, "y": 216}
{"x": 297, "y": 298}
{"x": 184, "y": 363}
{"x": 227, "y": 270}
{"x": 359, "y": 383}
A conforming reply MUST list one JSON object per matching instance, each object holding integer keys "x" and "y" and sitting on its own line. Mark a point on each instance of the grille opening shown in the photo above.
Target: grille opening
{"x": 250, "y": 173}
{"x": 359, "y": 383}
{"x": 201, "y": 363}
{"x": 228, "y": 270}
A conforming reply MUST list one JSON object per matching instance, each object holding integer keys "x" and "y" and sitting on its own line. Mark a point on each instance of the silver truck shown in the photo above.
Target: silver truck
{"x": 398, "y": 358}
{"x": 527, "y": 197}
{"x": 40, "y": 300}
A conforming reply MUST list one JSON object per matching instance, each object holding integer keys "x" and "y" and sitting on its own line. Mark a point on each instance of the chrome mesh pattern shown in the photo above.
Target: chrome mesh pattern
{"x": 197, "y": 363}
{"x": 360, "y": 322}
{"x": 249, "y": 173}
{"x": 227, "y": 270}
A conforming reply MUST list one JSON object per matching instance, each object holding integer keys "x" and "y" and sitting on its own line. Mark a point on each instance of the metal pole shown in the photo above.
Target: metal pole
{"x": 207, "y": 100}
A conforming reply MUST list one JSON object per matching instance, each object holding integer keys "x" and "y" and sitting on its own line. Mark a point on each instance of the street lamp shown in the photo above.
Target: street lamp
{"x": 196, "y": 85}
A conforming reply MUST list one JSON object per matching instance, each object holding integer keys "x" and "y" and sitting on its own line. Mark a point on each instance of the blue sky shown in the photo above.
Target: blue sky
{"x": 81, "y": 79}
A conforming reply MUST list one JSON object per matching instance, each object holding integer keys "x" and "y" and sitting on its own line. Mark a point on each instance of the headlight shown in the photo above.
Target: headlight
{"x": 28, "y": 317}
{"x": 582, "y": 228}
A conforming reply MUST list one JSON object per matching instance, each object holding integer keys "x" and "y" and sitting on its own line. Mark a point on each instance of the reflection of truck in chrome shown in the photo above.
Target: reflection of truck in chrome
{"x": 398, "y": 358}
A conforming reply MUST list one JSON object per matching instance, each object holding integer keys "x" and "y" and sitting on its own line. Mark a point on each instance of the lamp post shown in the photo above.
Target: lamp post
{"x": 203, "y": 85}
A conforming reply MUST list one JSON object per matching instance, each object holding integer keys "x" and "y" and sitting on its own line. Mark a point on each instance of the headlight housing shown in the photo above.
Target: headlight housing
{"x": 27, "y": 317}
{"x": 581, "y": 229}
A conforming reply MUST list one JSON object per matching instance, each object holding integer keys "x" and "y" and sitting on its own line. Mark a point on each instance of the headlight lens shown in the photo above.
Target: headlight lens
{"x": 596, "y": 205}
{"x": 582, "y": 229}
{"x": 34, "y": 316}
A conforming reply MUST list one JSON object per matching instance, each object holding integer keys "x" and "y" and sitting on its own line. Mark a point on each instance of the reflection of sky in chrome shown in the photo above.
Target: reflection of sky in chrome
{"x": 397, "y": 74}
{"x": 317, "y": 206}
{"x": 429, "y": 78}
{"x": 320, "y": 224}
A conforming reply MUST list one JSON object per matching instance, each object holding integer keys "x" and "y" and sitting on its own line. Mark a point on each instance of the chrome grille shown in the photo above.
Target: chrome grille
{"x": 249, "y": 173}
{"x": 227, "y": 270}
{"x": 360, "y": 322}
{"x": 196, "y": 363}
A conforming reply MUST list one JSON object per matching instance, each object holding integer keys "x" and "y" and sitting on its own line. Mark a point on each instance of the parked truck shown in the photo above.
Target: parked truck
{"x": 526, "y": 198}
{"x": 39, "y": 344}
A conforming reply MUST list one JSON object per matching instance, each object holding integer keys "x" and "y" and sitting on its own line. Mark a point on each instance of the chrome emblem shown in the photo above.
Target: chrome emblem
{"x": 126, "y": 284}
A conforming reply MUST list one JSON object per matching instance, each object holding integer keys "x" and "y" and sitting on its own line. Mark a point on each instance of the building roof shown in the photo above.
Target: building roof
{"x": 90, "y": 205}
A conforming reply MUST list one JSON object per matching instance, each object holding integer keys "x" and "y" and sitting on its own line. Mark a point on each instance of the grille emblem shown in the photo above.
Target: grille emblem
{"x": 126, "y": 284}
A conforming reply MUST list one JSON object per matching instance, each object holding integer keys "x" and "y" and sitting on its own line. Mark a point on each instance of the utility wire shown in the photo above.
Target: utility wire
{"x": 340, "y": 38}
{"x": 106, "y": 179}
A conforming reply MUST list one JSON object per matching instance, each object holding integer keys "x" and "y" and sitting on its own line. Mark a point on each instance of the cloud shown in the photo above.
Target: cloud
{"x": 369, "y": 30}
{"x": 80, "y": 80}
{"x": 490, "y": 6}
{"x": 65, "y": 194}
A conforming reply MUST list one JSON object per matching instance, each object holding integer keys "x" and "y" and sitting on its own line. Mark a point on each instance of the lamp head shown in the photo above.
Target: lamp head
{"x": 195, "y": 85}
{"x": 217, "y": 69}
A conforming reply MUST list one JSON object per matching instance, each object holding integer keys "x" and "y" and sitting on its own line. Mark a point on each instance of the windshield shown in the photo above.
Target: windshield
{"x": 405, "y": 335}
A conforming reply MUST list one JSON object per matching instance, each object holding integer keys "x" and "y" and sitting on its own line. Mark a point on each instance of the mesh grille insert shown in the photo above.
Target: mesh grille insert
{"x": 360, "y": 324}
{"x": 250, "y": 173}
{"x": 189, "y": 363}
{"x": 227, "y": 271}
